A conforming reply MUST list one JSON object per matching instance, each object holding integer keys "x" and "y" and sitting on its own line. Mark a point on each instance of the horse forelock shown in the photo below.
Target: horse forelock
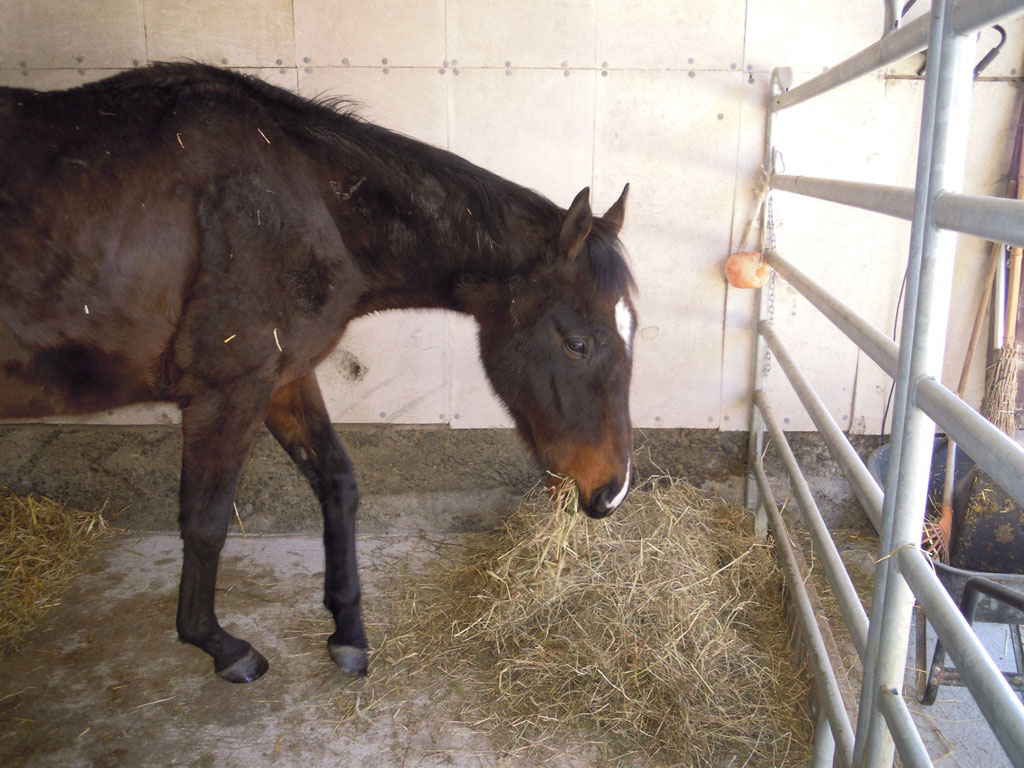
{"x": 608, "y": 265}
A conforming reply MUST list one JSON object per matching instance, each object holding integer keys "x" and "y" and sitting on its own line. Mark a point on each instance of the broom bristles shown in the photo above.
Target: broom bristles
{"x": 1001, "y": 390}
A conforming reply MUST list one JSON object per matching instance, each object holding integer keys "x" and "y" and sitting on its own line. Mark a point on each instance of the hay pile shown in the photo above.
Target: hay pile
{"x": 656, "y": 636}
{"x": 41, "y": 544}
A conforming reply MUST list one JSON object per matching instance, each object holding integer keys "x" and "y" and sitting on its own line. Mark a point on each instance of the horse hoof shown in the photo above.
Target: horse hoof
{"x": 351, "y": 659}
{"x": 250, "y": 667}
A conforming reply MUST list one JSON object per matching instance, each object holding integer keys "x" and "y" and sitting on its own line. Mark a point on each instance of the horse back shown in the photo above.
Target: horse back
{"x": 141, "y": 227}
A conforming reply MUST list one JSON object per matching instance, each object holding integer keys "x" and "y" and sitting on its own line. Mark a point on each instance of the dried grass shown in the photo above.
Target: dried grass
{"x": 41, "y": 544}
{"x": 1000, "y": 401}
{"x": 654, "y": 637}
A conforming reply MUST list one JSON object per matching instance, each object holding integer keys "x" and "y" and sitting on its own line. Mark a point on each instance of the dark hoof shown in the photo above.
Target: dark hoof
{"x": 250, "y": 667}
{"x": 351, "y": 659}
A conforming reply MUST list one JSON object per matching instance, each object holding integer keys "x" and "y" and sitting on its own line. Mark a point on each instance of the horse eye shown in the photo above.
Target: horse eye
{"x": 576, "y": 347}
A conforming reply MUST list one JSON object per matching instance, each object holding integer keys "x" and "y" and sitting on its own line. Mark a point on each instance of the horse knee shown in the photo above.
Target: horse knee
{"x": 204, "y": 536}
{"x": 339, "y": 494}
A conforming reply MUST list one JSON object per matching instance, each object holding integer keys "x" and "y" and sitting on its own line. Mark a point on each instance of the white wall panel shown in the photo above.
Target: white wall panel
{"x": 674, "y": 137}
{"x": 737, "y": 354}
{"x": 49, "y": 79}
{"x": 677, "y": 362}
{"x": 81, "y": 34}
{"x": 533, "y": 33}
{"x": 866, "y": 131}
{"x": 534, "y": 127}
{"x": 808, "y": 36}
{"x": 857, "y": 256}
{"x": 642, "y": 34}
{"x": 239, "y": 33}
{"x": 390, "y": 367}
{"x": 392, "y": 33}
{"x": 282, "y": 77}
{"x": 142, "y": 413}
{"x": 473, "y": 402}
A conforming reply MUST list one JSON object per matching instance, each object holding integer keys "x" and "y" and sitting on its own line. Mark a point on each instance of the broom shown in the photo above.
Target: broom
{"x": 1000, "y": 403}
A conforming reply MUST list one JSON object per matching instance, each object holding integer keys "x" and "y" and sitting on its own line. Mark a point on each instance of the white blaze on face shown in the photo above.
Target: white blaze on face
{"x": 625, "y": 485}
{"x": 624, "y": 324}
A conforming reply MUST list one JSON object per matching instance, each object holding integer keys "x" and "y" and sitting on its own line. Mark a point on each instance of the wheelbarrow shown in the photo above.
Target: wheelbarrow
{"x": 983, "y": 598}
{"x": 984, "y": 593}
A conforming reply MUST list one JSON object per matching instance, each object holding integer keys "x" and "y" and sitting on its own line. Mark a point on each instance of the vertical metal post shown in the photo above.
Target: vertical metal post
{"x": 892, "y": 16}
{"x": 929, "y": 279}
{"x": 824, "y": 743}
{"x": 755, "y": 440}
{"x": 780, "y": 80}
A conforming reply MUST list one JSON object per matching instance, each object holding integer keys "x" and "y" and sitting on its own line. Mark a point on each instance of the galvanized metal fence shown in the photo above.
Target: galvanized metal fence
{"x": 938, "y": 211}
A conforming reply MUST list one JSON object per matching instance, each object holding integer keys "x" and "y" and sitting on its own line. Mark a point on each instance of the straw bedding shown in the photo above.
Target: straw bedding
{"x": 654, "y": 637}
{"x": 41, "y": 544}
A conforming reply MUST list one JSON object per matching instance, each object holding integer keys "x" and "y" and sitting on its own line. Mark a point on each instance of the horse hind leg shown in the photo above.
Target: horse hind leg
{"x": 217, "y": 438}
{"x": 298, "y": 419}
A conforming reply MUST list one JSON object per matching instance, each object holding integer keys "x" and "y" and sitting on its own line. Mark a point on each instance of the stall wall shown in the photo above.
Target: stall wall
{"x": 562, "y": 94}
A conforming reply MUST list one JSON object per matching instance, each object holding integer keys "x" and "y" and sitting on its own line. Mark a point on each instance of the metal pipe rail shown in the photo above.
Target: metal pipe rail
{"x": 824, "y": 674}
{"x": 875, "y": 344}
{"x": 998, "y": 219}
{"x": 982, "y": 441}
{"x": 908, "y": 738}
{"x": 878, "y": 198}
{"x": 975, "y": 435}
{"x": 991, "y": 691}
{"x": 864, "y": 485}
{"x": 842, "y": 587}
{"x": 968, "y": 16}
{"x": 937, "y": 211}
{"x": 780, "y": 80}
{"x": 912, "y": 750}
{"x": 996, "y": 453}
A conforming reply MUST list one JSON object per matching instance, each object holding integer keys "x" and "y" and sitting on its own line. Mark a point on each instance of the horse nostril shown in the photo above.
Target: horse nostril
{"x": 606, "y": 499}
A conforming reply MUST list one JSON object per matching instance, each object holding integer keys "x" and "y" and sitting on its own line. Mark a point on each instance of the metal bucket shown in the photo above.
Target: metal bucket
{"x": 988, "y": 527}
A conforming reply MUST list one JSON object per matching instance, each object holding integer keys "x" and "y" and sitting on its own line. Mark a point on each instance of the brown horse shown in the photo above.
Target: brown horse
{"x": 186, "y": 234}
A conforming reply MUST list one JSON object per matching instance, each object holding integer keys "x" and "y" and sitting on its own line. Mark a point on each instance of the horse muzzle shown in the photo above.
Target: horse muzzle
{"x": 607, "y": 498}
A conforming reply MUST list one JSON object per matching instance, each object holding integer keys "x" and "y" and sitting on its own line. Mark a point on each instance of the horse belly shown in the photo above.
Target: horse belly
{"x": 85, "y": 327}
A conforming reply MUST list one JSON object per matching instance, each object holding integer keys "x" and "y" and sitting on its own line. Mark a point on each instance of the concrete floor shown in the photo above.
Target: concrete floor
{"x": 962, "y": 737}
{"x": 104, "y": 681}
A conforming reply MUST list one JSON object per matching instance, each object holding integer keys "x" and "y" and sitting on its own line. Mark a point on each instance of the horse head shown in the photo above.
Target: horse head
{"x": 556, "y": 342}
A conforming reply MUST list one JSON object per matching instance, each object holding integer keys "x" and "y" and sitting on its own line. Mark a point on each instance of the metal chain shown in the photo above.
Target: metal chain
{"x": 769, "y": 245}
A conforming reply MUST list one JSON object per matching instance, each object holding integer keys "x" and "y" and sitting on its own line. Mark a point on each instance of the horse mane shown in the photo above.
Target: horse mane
{"x": 335, "y": 120}
{"x": 175, "y": 78}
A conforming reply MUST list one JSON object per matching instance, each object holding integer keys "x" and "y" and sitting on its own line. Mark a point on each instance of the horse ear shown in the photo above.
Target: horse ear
{"x": 617, "y": 213}
{"x": 576, "y": 226}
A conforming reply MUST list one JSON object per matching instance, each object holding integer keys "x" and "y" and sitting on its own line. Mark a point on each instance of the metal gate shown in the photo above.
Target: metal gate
{"x": 938, "y": 211}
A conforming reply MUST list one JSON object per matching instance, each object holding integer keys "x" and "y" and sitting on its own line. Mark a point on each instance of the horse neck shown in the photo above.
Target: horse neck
{"x": 426, "y": 220}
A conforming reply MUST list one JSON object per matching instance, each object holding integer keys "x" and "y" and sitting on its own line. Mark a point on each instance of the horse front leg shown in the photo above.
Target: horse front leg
{"x": 217, "y": 438}
{"x": 298, "y": 419}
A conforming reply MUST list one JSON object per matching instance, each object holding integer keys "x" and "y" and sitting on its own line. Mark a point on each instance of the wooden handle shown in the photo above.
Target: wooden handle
{"x": 1012, "y": 298}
